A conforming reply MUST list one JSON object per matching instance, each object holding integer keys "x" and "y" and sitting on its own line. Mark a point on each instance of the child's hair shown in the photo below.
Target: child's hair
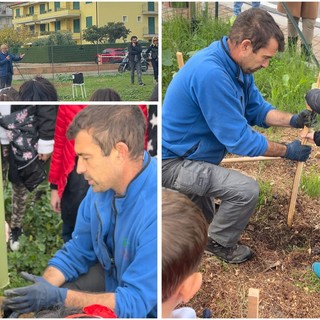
{"x": 105, "y": 95}
{"x": 184, "y": 237}
{"x": 9, "y": 94}
{"x": 38, "y": 89}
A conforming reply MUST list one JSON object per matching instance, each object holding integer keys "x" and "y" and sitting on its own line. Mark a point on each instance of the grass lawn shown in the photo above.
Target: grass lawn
{"x": 119, "y": 82}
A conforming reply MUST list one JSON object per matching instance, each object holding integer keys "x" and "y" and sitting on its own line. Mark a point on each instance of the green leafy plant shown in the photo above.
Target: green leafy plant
{"x": 40, "y": 240}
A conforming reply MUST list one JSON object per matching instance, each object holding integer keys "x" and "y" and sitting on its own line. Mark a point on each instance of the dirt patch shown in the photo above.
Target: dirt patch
{"x": 281, "y": 267}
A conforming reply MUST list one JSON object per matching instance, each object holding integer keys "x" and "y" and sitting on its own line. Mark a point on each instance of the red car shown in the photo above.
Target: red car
{"x": 112, "y": 55}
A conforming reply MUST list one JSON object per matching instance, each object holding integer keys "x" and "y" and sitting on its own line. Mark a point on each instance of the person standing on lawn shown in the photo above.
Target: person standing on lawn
{"x": 134, "y": 56}
{"x": 210, "y": 111}
{"x": 6, "y": 66}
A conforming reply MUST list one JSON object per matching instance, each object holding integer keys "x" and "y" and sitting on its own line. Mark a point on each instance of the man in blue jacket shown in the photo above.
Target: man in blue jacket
{"x": 6, "y": 67}
{"x": 112, "y": 257}
{"x": 210, "y": 111}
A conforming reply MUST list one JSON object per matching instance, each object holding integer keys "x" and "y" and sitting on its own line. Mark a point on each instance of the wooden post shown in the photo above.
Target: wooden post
{"x": 253, "y": 303}
{"x": 298, "y": 174}
{"x": 249, "y": 159}
{"x": 180, "y": 59}
{"x": 4, "y": 277}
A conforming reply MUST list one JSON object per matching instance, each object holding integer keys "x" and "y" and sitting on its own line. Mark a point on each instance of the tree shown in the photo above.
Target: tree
{"x": 94, "y": 34}
{"x": 15, "y": 38}
{"x": 56, "y": 39}
{"x": 116, "y": 30}
{"x": 107, "y": 34}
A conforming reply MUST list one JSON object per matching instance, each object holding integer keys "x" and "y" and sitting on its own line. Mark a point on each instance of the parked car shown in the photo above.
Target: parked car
{"x": 112, "y": 55}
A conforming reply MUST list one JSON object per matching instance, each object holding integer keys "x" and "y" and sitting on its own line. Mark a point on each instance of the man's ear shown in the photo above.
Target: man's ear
{"x": 190, "y": 286}
{"x": 122, "y": 150}
{"x": 245, "y": 45}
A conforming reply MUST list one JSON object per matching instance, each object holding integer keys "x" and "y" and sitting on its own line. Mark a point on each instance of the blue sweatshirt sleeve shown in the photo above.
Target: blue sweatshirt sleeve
{"x": 77, "y": 255}
{"x": 224, "y": 109}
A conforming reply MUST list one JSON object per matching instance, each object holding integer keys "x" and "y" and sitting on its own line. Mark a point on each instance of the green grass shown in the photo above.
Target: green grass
{"x": 308, "y": 281}
{"x": 310, "y": 183}
{"x": 119, "y": 82}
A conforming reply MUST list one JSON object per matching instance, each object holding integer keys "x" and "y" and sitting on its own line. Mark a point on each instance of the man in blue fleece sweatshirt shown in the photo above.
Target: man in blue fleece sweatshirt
{"x": 209, "y": 111}
{"x": 112, "y": 257}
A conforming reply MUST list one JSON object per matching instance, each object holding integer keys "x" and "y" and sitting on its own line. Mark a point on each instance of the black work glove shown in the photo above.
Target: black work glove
{"x": 316, "y": 138}
{"x": 297, "y": 151}
{"x": 304, "y": 118}
{"x": 41, "y": 295}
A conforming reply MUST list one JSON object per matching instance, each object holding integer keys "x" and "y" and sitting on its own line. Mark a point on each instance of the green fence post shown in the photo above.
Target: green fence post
{"x": 4, "y": 277}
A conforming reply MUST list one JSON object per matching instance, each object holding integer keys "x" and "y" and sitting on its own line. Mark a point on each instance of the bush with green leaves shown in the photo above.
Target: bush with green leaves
{"x": 41, "y": 236}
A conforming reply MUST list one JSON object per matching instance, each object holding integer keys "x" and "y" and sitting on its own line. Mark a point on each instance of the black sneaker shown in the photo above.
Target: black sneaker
{"x": 236, "y": 254}
{"x": 141, "y": 84}
{"x": 15, "y": 233}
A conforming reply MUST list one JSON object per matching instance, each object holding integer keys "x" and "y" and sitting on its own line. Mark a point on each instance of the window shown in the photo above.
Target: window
{"x": 88, "y": 22}
{"x": 139, "y": 19}
{"x": 42, "y": 27}
{"x": 42, "y": 8}
{"x": 57, "y": 26}
{"x": 56, "y": 6}
{"x": 31, "y": 29}
{"x": 31, "y": 11}
{"x": 76, "y": 5}
{"x": 124, "y": 18}
{"x": 150, "y": 6}
{"x": 76, "y": 25}
{"x": 17, "y": 13}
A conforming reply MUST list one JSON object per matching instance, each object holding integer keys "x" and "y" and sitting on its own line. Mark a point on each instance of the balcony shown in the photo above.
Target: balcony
{"x": 147, "y": 33}
{"x": 60, "y": 13}
{"x": 25, "y": 19}
{"x": 147, "y": 10}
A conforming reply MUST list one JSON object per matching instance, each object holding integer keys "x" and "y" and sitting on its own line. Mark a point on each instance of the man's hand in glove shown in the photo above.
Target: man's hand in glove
{"x": 304, "y": 118}
{"x": 297, "y": 151}
{"x": 41, "y": 295}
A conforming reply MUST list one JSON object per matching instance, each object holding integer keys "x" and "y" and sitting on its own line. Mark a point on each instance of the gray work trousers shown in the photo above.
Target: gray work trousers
{"x": 202, "y": 181}
{"x": 92, "y": 281}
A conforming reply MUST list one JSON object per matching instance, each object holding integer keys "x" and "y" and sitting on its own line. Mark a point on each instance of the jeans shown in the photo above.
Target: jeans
{"x": 135, "y": 65}
{"x": 202, "y": 181}
{"x": 238, "y": 5}
{"x": 6, "y": 81}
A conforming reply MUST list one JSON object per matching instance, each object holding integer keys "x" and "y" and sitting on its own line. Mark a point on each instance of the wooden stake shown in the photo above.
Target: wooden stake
{"x": 248, "y": 159}
{"x": 4, "y": 276}
{"x": 298, "y": 174}
{"x": 180, "y": 59}
{"x": 253, "y": 303}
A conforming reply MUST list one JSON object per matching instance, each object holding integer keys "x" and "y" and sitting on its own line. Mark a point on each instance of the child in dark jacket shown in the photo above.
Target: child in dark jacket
{"x": 30, "y": 132}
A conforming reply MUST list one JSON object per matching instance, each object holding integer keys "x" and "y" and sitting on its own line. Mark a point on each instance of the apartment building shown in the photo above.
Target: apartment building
{"x": 5, "y": 15}
{"x": 43, "y": 18}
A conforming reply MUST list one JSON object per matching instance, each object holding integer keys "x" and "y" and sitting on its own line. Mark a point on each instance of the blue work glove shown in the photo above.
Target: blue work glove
{"x": 316, "y": 268}
{"x": 304, "y": 118}
{"x": 297, "y": 151}
{"x": 41, "y": 295}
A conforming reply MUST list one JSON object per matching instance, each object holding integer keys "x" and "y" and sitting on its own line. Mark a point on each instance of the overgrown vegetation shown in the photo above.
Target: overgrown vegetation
{"x": 282, "y": 86}
{"x": 41, "y": 238}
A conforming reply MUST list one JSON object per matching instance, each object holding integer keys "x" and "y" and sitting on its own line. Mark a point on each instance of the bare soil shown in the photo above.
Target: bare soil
{"x": 281, "y": 267}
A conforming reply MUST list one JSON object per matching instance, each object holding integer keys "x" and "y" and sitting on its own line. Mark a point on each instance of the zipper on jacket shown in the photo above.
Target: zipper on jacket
{"x": 111, "y": 256}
